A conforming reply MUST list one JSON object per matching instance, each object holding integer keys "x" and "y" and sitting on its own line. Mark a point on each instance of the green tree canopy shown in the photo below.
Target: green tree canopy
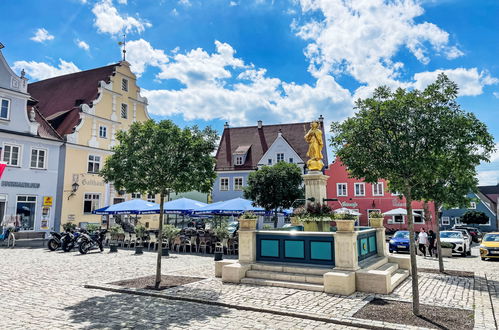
{"x": 416, "y": 140}
{"x": 475, "y": 218}
{"x": 275, "y": 187}
{"x": 160, "y": 157}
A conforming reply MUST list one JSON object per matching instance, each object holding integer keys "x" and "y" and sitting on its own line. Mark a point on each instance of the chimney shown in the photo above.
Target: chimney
{"x": 260, "y": 124}
{"x": 226, "y": 125}
{"x": 321, "y": 119}
{"x": 279, "y": 134}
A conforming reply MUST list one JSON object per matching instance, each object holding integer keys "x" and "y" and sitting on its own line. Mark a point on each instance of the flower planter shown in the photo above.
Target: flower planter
{"x": 376, "y": 222}
{"x": 165, "y": 252}
{"x": 446, "y": 252}
{"x": 310, "y": 226}
{"x": 247, "y": 224}
{"x": 138, "y": 250}
{"x": 345, "y": 225}
{"x": 319, "y": 224}
{"x": 295, "y": 221}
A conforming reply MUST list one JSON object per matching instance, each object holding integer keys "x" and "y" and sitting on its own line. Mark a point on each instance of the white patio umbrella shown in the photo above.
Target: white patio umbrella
{"x": 345, "y": 210}
{"x": 398, "y": 211}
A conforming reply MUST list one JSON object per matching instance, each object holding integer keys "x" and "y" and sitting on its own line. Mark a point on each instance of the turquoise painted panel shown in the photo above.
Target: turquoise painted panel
{"x": 320, "y": 251}
{"x": 294, "y": 249}
{"x": 372, "y": 244}
{"x": 269, "y": 248}
{"x": 363, "y": 246}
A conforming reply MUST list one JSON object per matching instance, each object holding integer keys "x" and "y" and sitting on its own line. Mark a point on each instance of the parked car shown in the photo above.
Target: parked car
{"x": 467, "y": 236}
{"x": 476, "y": 234}
{"x": 233, "y": 227}
{"x": 399, "y": 242}
{"x": 460, "y": 244}
{"x": 490, "y": 246}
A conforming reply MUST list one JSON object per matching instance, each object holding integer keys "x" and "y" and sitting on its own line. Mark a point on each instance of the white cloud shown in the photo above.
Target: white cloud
{"x": 174, "y": 12}
{"x": 82, "y": 44}
{"x": 108, "y": 20}
{"x": 140, "y": 54}
{"x": 496, "y": 94}
{"x": 41, "y": 70}
{"x": 42, "y": 35}
{"x": 232, "y": 3}
{"x": 123, "y": 2}
{"x": 186, "y": 3}
{"x": 488, "y": 178}
{"x": 470, "y": 81}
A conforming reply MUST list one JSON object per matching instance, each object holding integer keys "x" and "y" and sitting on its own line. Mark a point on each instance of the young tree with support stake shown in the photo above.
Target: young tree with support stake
{"x": 403, "y": 137}
{"x": 160, "y": 157}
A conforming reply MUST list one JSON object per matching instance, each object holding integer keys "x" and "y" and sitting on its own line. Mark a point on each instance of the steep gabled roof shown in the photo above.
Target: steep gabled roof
{"x": 260, "y": 139}
{"x": 59, "y": 98}
{"x": 491, "y": 192}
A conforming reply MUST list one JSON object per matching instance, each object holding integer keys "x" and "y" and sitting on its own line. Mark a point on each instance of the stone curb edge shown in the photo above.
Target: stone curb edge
{"x": 347, "y": 321}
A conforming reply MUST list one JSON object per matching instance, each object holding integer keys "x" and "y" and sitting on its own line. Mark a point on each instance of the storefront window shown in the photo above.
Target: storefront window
{"x": 3, "y": 206}
{"x": 26, "y": 209}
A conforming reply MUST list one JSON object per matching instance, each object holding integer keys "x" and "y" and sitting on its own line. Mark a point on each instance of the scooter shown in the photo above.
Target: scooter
{"x": 69, "y": 240}
{"x": 55, "y": 241}
{"x": 88, "y": 241}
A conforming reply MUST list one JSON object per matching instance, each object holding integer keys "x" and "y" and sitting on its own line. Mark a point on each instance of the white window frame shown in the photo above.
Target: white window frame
{"x": 485, "y": 224}
{"x": 136, "y": 195}
{"x": 378, "y": 184}
{"x": 396, "y": 193}
{"x": 445, "y": 221}
{"x": 19, "y": 155}
{"x": 338, "y": 189}
{"x": 85, "y": 199}
{"x": 124, "y": 83}
{"x": 359, "y": 184}
{"x": 151, "y": 199}
{"x": 93, "y": 161}
{"x": 392, "y": 221}
{"x": 422, "y": 217}
{"x": 472, "y": 206}
{"x": 279, "y": 157}
{"x": 8, "y": 108}
{"x": 45, "y": 158}
{"x": 26, "y": 201}
{"x": 239, "y": 160}
{"x": 124, "y": 110}
{"x": 238, "y": 187}
{"x": 291, "y": 160}
{"x": 228, "y": 183}
{"x": 103, "y": 128}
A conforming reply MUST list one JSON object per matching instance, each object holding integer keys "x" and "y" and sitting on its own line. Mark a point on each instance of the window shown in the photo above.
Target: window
{"x": 103, "y": 132}
{"x": 396, "y": 219}
{"x": 224, "y": 184}
{"x": 445, "y": 221}
{"x": 239, "y": 160}
{"x": 38, "y": 157}
{"x": 151, "y": 198}
{"x": 341, "y": 189}
{"x": 485, "y": 224}
{"x": 4, "y": 109}
{"x": 360, "y": 189}
{"x": 136, "y": 195}
{"x": 91, "y": 202}
{"x": 378, "y": 189}
{"x": 238, "y": 183}
{"x": 12, "y": 154}
{"x": 396, "y": 193}
{"x": 124, "y": 85}
{"x": 93, "y": 164}
{"x": 472, "y": 206}
{"x": 269, "y": 161}
{"x": 280, "y": 157}
{"x": 291, "y": 160}
{"x": 26, "y": 209}
{"x": 124, "y": 110}
{"x": 419, "y": 219}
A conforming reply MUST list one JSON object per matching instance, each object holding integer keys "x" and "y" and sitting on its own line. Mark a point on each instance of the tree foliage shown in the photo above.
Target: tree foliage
{"x": 420, "y": 141}
{"x": 275, "y": 187}
{"x": 475, "y": 218}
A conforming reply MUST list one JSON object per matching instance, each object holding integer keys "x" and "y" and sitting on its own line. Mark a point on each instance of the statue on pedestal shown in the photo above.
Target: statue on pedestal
{"x": 315, "y": 145}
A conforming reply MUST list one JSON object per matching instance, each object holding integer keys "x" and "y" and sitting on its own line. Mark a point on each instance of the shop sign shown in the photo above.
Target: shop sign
{"x": 45, "y": 218}
{"x": 92, "y": 182}
{"x": 71, "y": 217}
{"x": 81, "y": 178}
{"x": 346, "y": 204}
{"x": 398, "y": 202}
{"x": 18, "y": 184}
{"x": 47, "y": 200}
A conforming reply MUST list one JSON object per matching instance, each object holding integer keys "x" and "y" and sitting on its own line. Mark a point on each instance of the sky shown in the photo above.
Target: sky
{"x": 207, "y": 62}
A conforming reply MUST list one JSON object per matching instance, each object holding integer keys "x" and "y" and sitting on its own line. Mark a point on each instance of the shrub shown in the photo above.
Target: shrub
{"x": 248, "y": 215}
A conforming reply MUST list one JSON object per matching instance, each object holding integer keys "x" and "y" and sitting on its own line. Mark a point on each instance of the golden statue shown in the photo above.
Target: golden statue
{"x": 315, "y": 144}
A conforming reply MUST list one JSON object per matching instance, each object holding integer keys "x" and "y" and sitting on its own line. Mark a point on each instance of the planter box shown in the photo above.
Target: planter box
{"x": 310, "y": 226}
{"x": 321, "y": 225}
{"x": 295, "y": 221}
{"x": 446, "y": 252}
{"x": 247, "y": 224}
{"x": 345, "y": 225}
{"x": 376, "y": 222}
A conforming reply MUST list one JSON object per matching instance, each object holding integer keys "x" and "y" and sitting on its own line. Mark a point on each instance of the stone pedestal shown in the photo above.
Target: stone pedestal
{"x": 381, "y": 242}
{"x": 345, "y": 251}
{"x": 315, "y": 185}
{"x": 247, "y": 241}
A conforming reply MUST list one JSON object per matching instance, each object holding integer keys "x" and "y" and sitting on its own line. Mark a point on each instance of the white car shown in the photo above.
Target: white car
{"x": 460, "y": 244}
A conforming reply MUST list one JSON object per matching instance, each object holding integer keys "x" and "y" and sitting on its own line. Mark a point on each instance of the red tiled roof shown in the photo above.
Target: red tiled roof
{"x": 59, "y": 97}
{"x": 260, "y": 140}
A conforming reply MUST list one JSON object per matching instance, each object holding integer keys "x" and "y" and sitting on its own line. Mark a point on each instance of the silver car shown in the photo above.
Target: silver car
{"x": 460, "y": 244}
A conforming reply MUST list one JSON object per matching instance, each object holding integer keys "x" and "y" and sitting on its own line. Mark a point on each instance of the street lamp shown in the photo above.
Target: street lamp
{"x": 75, "y": 187}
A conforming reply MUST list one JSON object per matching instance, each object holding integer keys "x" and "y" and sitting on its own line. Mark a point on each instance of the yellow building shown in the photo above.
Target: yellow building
{"x": 88, "y": 108}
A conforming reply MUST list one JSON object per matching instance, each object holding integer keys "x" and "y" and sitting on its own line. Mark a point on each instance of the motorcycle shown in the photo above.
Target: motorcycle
{"x": 55, "y": 241}
{"x": 69, "y": 240}
{"x": 88, "y": 241}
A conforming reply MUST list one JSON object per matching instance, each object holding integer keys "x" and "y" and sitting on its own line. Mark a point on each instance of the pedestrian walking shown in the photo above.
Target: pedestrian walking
{"x": 423, "y": 241}
{"x": 431, "y": 243}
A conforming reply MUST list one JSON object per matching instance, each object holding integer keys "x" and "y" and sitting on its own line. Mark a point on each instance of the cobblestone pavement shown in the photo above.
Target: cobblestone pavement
{"x": 44, "y": 290}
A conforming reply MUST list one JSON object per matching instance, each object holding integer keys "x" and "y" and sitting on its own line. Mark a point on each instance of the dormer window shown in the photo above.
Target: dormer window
{"x": 239, "y": 160}
{"x": 240, "y": 154}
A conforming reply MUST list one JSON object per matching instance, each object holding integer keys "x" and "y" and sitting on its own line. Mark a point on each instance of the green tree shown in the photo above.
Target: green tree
{"x": 275, "y": 187}
{"x": 160, "y": 157}
{"x": 475, "y": 218}
{"x": 406, "y": 137}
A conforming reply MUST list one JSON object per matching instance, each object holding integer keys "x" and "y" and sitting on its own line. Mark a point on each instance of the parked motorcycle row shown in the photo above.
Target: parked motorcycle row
{"x": 79, "y": 239}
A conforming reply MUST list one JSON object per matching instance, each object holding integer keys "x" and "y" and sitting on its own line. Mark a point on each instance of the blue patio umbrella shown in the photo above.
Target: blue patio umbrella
{"x": 182, "y": 206}
{"x": 234, "y": 206}
{"x": 133, "y": 206}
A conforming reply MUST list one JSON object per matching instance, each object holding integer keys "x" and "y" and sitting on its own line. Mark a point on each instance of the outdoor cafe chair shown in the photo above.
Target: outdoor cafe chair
{"x": 153, "y": 240}
{"x": 176, "y": 243}
{"x": 121, "y": 240}
{"x": 193, "y": 244}
{"x": 204, "y": 244}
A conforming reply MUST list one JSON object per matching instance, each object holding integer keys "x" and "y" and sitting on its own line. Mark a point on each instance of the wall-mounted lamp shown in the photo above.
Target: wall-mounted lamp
{"x": 74, "y": 188}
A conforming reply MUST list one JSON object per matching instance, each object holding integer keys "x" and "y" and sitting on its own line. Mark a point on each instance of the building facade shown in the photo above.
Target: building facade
{"x": 366, "y": 198}
{"x": 480, "y": 202}
{"x": 243, "y": 150}
{"x": 31, "y": 149}
{"x": 88, "y": 108}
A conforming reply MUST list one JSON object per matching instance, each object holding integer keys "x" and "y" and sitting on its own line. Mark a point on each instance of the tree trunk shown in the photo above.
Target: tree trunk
{"x": 437, "y": 233}
{"x": 160, "y": 241}
{"x": 412, "y": 247}
{"x": 275, "y": 218}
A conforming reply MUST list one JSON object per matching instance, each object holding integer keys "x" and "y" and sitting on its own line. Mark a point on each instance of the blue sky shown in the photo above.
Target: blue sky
{"x": 207, "y": 62}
